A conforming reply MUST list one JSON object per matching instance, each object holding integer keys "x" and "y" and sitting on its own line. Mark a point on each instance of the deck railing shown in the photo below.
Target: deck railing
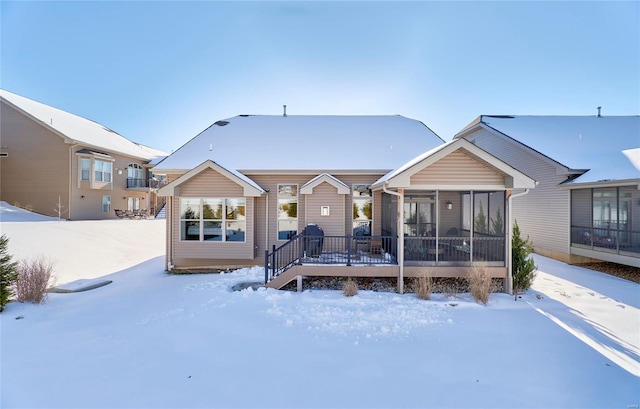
{"x": 609, "y": 240}
{"x": 346, "y": 250}
{"x": 454, "y": 249}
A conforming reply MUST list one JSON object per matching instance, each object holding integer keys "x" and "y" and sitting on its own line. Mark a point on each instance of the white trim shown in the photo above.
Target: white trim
{"x": 251, "y": 188}
{"x": 401, "y": 178}
{"x": 307, "y": 188}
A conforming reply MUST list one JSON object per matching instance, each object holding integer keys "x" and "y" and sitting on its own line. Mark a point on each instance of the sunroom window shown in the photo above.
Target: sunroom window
{"x": 213, "y": 219}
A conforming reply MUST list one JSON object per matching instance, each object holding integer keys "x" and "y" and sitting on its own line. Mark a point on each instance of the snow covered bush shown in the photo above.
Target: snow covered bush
{"x": 8, "y": 273}
{"x": 34, "y": 277}
{"x": 350, "y": 287}
{"x": 480, "y": 283}
{"x": 522, "y": 264}
{"x": 424, "y": 285}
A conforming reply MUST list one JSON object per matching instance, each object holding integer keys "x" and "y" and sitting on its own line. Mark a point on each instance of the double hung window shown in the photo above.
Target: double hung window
{"x": 102, "y": 171}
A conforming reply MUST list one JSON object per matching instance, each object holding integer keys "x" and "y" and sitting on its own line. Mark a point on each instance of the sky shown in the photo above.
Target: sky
{"x": 159, "y": 73}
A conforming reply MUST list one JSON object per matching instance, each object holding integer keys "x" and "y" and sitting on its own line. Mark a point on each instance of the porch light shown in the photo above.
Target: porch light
{"x": 449, "y": 205}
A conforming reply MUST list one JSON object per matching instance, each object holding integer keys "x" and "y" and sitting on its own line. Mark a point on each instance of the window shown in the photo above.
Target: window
{"x": 362, "y": 210}
{"x": 287, "y": 211}
{"x": 133, "y": 203}
{"x": 420, "y": 216}
{"x": 135, "y": 175}
{"x": 85, "y": 165}
{"x": 488, "y": 213}
{"x": 106, "y": 204}
{"x": 102, "y": 171}
{"x": 213, "y": 219}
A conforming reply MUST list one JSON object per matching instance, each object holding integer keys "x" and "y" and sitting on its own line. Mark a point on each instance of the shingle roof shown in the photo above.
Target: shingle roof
{"x": 301, "y": 142}
{"x": 80, "y": 130}
{"x": 578, "y": 142}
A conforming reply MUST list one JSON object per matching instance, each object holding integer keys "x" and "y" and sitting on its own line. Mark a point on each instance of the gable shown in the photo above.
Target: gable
{"x": 459, "y": 168}
{"x": 209, "y": 176}
{"x": 325, "y": 179}
{"x": 210, "y": 183}
{"x": 458, "y": 164}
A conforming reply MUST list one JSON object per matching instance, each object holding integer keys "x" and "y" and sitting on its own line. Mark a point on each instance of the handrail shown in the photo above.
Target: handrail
{"x": 344, "y": 250}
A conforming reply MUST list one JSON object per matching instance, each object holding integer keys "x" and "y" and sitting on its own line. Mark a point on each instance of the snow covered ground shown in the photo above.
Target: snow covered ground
{"x": 152, "y": 340}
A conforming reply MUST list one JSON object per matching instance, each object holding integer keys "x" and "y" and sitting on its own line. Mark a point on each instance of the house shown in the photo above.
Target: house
{"x": 587, "y": 202}
{"x": 59, "y": 164}
{"x": 374, "y": 196}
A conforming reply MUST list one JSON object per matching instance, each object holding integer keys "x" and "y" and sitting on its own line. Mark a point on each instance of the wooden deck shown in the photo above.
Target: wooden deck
{"x": 319, "y": 270}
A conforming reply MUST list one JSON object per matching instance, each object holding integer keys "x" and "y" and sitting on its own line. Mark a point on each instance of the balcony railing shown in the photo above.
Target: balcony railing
{"x": 145, "y": 183}
{"x": 610, "y": 240}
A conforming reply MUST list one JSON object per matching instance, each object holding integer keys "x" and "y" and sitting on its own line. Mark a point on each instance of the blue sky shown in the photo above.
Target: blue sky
{"x": 161, "y": 72}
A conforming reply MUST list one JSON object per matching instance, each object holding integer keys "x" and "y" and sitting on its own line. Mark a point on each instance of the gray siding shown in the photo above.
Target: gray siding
{"x": 458, "y": 168}
{"x": 210, "y": 183}
{"x": 270, "y": 183}
{"x": 36, "y": 172}
{"x": 326, "y": 195}
{"x": 542, "y": 214}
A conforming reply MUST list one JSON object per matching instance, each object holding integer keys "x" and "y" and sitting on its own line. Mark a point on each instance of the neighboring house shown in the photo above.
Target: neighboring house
{"x": 587, "y": 201}
{"x": 254, "y": 189}
{"x": 54, "y": 162}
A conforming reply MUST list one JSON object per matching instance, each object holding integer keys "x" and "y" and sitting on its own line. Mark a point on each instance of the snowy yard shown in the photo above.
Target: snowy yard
{"x": 152, "y": 340}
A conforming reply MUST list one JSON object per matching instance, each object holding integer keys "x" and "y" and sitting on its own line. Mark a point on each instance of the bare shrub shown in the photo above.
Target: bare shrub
{"x": 350, "y": 288}
{"x": 34, "y": 277}
{"x": 480, "y": 283}
{"x": 424, "y": 285}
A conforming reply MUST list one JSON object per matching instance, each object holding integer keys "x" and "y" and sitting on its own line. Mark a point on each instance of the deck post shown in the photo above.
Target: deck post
{"x": 401, "y": 241}
{"x": 348, "y": 238}
{"x": 266, "y": 266}
{"x": 299, "y": 283}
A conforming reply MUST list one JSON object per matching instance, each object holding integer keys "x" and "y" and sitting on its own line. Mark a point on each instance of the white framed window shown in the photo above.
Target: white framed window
{"x": 102, "y": 171}
{"x": 85, "y": 169}
{"x": 135, "y": 175}
{"x": 133, "y": 203}
{"x": 287, "y": 211}
{"x": 213, "y": 219}
{"x": 362, "y": 210}
{"x": 106, "y": 203}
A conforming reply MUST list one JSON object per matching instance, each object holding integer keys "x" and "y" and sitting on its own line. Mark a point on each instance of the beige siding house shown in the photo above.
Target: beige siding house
{"x": 56, "y": 163}
{"x": 336, "y": 196}
{"x": 586, "y": 204}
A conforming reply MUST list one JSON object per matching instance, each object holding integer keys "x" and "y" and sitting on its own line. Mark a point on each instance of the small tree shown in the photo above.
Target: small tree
{"x": 522, "y": 264}
{"x": 8, "y": 273}
{"x": 60, "y": 209}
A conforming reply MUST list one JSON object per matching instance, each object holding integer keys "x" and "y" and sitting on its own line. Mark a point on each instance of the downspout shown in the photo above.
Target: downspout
{"x": 509, "y": 283}
{"x": 169, "y": 221}
{"x": 400, "y": 235}
{"x": 266, "y": 221}
{"x": 70, "y": 179}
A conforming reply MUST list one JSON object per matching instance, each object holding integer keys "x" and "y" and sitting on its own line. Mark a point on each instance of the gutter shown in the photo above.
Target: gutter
{"x": 400, "y": 235}
{"x": 509, "y": 283}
